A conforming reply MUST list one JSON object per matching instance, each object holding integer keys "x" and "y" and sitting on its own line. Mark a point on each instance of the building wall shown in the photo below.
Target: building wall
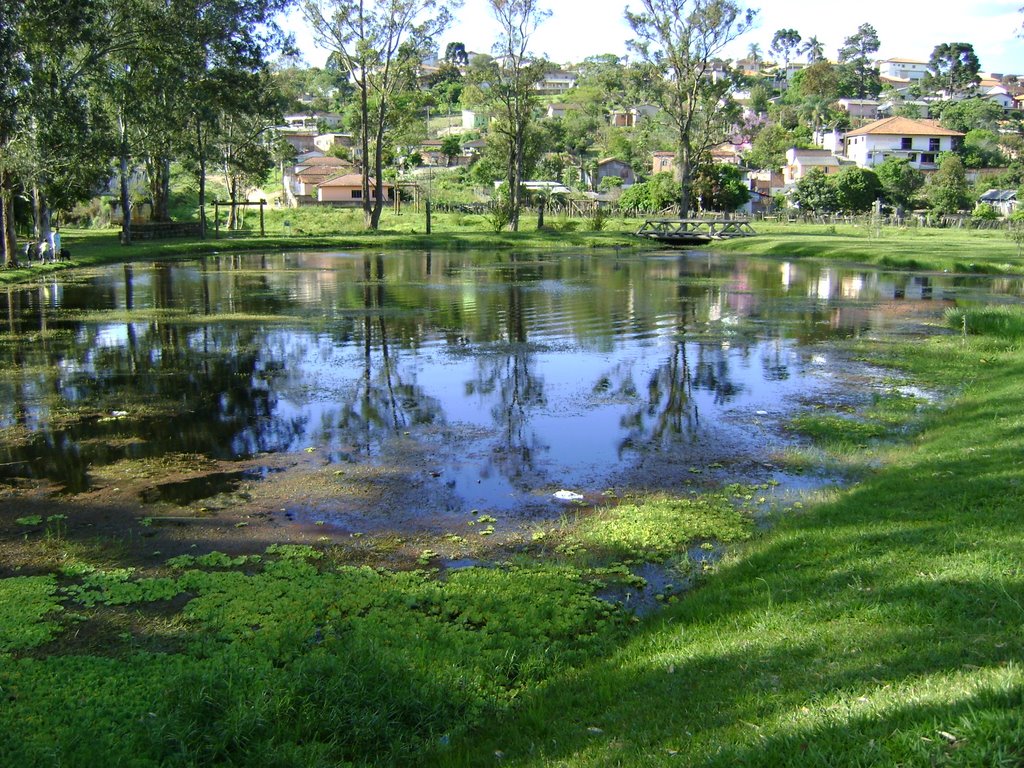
{"x": 867, "y": 151}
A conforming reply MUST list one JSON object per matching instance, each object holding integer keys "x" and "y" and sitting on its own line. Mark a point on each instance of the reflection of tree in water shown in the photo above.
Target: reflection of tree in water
{"x": 774, "y": 361}
{"x": 509, "y": 376}
{"x": 669, "y": 411}
{"x": 383, "y": 404}
{"x": 174, "y": 389}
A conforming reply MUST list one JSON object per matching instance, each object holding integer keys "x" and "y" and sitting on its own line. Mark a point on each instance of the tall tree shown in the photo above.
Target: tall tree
{"x": 814, "y": 49}
{"x": 755, "y": 56}
{"x": 785, "y": 42}
{"x": 224, "y": 47}
{"x": 455, "y": 53}
{"x": 953, "y": 67}
{"x": 13, "y": 75}
{"x": 856, "y": 52}
{"x": 507, "y": 83}
{"x": 683, "y": 38}
{"x": 381, "y": 42}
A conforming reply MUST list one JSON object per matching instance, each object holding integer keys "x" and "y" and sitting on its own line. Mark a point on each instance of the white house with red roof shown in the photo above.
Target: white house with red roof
{"x": 918, "y": 141}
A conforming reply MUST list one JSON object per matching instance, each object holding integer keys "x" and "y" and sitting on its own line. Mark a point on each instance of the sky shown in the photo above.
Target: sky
{"x": 910, "y": 29}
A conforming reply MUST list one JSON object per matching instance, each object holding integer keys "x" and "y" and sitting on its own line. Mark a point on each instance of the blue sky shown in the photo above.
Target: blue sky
{"x": 581, "y": 28}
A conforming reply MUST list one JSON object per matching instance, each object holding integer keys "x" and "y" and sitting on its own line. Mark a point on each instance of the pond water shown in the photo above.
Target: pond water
{"x": 491, "y": 381}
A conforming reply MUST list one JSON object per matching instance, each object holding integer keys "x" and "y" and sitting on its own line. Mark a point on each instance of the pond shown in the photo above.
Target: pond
{"x": 408, "y": 389}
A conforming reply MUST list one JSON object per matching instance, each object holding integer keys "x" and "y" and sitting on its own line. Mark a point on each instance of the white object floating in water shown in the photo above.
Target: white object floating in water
{"x": 119, "y": 414}
{"x": 568, "y": 496}
{"x": 761, "y": 413}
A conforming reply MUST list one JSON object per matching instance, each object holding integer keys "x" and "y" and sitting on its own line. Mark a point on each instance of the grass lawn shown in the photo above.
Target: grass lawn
{"x": 952, "y": 250}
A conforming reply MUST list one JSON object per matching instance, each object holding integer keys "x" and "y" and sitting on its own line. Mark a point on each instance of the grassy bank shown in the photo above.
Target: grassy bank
{"x": 952, "y": 250}
{"x": 962, "y": 251}
{"x": 336, "y": 229}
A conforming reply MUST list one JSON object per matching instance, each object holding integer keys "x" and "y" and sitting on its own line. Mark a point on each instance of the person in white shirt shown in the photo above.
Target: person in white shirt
{"x": 55, "y": 244}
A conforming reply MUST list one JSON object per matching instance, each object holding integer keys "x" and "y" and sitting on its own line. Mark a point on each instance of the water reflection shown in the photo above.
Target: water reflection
{"x": 515, "y": 373}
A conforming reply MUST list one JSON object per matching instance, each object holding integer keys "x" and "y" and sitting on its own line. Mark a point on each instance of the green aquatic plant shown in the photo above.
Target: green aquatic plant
{"x": 29, "y": 607}
{"x": 654, "y": 529}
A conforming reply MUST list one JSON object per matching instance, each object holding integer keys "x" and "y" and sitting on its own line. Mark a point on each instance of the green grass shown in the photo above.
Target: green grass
{"x": 953, "y": 250}
{"x": 1001, "y": 321}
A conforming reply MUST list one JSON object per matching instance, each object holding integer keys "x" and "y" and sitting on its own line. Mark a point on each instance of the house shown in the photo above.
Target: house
{"x": 800, "y": 161}
{"x": 313, "y": 120}
{"x": 766, "y": 183}
{"x": 611, "y": 166}
{"x": 919, "y": 141}
{"x": 300, "y": 139}
{"x": 663, "y": 162}
{"x": 728, "y": 153}
{"x": 862, "y": 109}
{"x": 911, "y": 70}
{"x": 472, "y": 119}
{"x": 998, "y": 94}
{"x": 1003, "y": 200}
{"x": 830, "y": 139}
{"x": 347, "y": 190}
{"x": 559, "y": 110}
{"x": 630, "y": 117}
{"x": 301, "y": 181}
{"x": 555, "y": 83}
{"x": 325, "y": 141}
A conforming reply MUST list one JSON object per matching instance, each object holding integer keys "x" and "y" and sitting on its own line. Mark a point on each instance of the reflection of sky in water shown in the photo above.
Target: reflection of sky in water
{"x": 516, "y": 380}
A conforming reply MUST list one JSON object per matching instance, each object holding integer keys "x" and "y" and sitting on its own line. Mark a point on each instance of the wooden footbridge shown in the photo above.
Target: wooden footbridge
{"x": 694, "y": 231}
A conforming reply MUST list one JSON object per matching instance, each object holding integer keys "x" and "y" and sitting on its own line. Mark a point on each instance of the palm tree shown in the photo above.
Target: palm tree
{"x": 814, "y": 49}
{"x": 755, "y": 57}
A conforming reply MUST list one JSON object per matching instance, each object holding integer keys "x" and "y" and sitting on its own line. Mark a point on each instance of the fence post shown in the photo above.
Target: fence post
{"x": 263, "y": 231}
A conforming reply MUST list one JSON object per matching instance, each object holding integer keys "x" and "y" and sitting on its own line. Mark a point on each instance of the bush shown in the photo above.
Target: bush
{"x": 985, "y": 212}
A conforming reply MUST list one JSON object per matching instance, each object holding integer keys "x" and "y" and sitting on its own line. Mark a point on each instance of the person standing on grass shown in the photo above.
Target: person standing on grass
{"x": 55, "y": 244}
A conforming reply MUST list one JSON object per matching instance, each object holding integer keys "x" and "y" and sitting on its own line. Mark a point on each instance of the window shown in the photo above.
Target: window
{"x": 357, "y": 194}
{"x": 927, "y": 157}
{"x": 912, "y": 157}
{"x": 933, "y": 145}
{"x": 906, "y": 143}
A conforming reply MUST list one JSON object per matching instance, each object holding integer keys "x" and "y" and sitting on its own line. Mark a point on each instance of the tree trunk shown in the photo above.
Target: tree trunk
{"x": 685, "y": 178}
{"x": 378, "y": 169}
{"x": 202, "y": 182}
{"x": 364, "y": 125}
{"x": 10, "y": 236}
{"x": 162, "y": 190}
{"x": 126, "y": 203}
{"x": 41, "y": 216}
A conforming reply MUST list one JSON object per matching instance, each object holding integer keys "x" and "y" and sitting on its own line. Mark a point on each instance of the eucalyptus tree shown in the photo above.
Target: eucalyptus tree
{"x": 683, "y": 38}
{"x": 57, "y": 137}
{"x": 381, "y": 43}
{"x": 222, "y": 50}
{"x": 507, "y": 84}
{"x": 13, "y": 76}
